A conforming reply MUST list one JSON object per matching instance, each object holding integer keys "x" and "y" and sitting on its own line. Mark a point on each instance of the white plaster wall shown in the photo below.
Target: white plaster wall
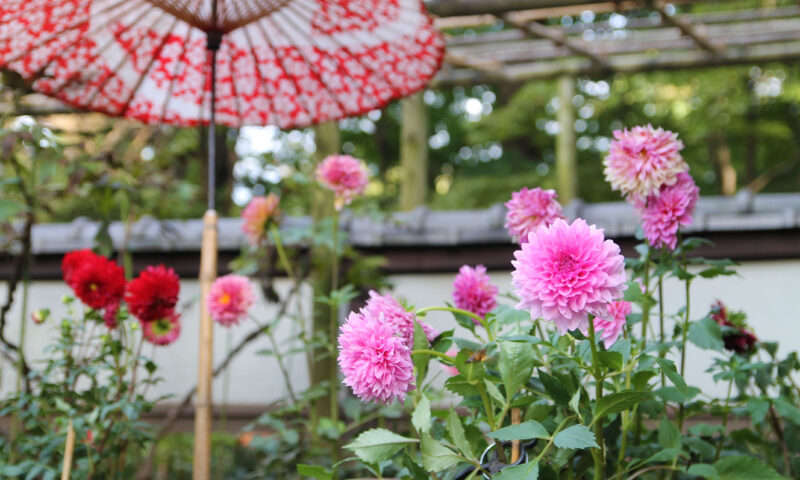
{"x": 767, "y": 291}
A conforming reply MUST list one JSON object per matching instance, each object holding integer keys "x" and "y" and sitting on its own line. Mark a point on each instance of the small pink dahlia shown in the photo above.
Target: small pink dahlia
{"x": 473, "y": 292}
{"x": 567, "y": 271}
{"x": 451, "y": 370}
{"x": 345, "y": 175}
{"x": 162, "y": 331}
{"x": 643, "y": 159}
{"x": 530, "y": 208}
{"x": 376, "y": 363}
{"x": 609, "y": 328}
{"x": 257, "y": 216}
{"x": 671, "y": 208}
{"x": 393, "y": 313}
{"x": 229, "y": 299}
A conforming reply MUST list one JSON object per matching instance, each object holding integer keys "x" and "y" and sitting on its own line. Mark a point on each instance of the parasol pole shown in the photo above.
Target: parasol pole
{"x": 208, "y": 271}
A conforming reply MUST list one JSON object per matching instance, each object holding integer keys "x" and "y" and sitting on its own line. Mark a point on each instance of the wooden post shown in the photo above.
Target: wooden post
{"x": 414, "y": 152}
{"x": 203, "y": 399}
{"x": 566, "y": 156}
{"x": 516, "y": 418}
{"x": 69, "y": 448}
{"x": 327, "y": 139}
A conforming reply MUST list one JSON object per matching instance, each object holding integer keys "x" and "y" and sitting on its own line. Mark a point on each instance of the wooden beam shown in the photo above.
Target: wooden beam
{"x": 686, "y": 28}
{"x": 449, "y": 8}
{"x": 414, "y": 152}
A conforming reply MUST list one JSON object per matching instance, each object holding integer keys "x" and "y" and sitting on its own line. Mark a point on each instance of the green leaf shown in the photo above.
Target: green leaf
{"x": 617, "y": 402}
{"x": 378, "y": 444}
{"x": 416, "y": 471}
{"x": 435, "y": 456}
{"x": 668, "y": 367}
{"x": 421, "y": 418}
{"x": 523, "y": 431}
{"x": 706, "y": 334}
{"x": 757, "y": 408}
{"x": 526, "y": 471}
{"x": 662, "y": 456}
{"x": 494, "y": 392}
{"x": 641, "y": 378}
{"x": 623, "y": 346}
{"x": 787, "y": 410}
{"x": 741, "y": 467}
{"x": 703, "y": 470}
{"x": 574, "y": 403}
{"x": 506, "y": 315}
{"x": 611, "y": 360}
{"x": 515, "y": 365}
{"x": 669, "y": 437}
{"x": 315, "y": 471}
{"x": 576, "y": 436}
{"x": 554, "y": 388}
{"x": 457, "y": 435}
{"x": 420, "y": 361}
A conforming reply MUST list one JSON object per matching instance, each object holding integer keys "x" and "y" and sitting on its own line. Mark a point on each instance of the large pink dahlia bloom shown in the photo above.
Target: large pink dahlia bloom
{"x": 375, "y": 362}
{"x": 643, "y": 159}
{"x": 567, "y": 271}
{"x": 672, "y": 208}
{"x": 473, "y": 292}
{"x": 229, "y": 299}
{"x": 388, "y": 309}
{"x": 345, "y": 175}
{"x": 609, "y": 328}
{"x": 257, "y": 215}
{"x": 530, "y": 208}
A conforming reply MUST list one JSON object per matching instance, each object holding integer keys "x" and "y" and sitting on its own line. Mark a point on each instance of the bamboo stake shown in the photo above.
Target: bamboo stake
{"x": 69, "y": 448}
{"x": 516, "y": 418}
{"x": 203, "y": 400}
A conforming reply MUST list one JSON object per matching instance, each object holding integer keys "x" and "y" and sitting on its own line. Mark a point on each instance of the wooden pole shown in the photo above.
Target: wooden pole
{"x": 203, "y": 400}
{"x": 516, "y": 418}
{"x": 414, "y": 152}
{"x": 566, "y": 156}
{"x": 69, "y": 448}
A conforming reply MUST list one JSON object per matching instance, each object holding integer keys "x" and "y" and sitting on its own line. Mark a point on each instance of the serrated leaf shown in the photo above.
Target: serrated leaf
{"x": 554, "y": 388}
{"x": 611, "y": 360}
{"x": 669, "y": 437}
{"x": 668, "y": 367}
{"x": 576, "y": 436}
{"x": 457, "y": 435}
{"x": 703, "y": 470}
{"x": 460, "y": 386}
{"x": 315, "y": 471}
{"x": 526, "y": 471}
{"x": 617, "y": 402}
{"x": 706, "y": 334}
{"x": 515, "y": 365}
{"x": 787, "y": 410}
{"x": 378, "y": 444}
{"x": 523, "y": 431}
{"x": 435, "y": 456}
{"x": 574, "y": 404}
{"x": 494, "y": 392}
{"x": 742, "y": 467}
{"x": 421, "y": 418}
{"x": 416, "y": 471}
{"x": 623, "y": 347}
{"x": 641, "y": 378}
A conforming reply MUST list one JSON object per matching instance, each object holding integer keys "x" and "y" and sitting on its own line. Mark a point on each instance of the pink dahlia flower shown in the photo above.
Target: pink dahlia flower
{"x": 257, "y": 216}
{"x": 664, "y": 213}
{"x": 345, "y": 175}
{"x": 530, "y": 208}
{"x": 566, "y": 272}
{"x": 451, "y": 370}
{"x": 162, "y": 331}
{"x": 610, "y": 327}
{"x": 229, "y": 299}
{"x": 376, "y": 363}
{"x": 401, "y": 320}
{"x": 473, "y": 292}
{"x": 643, "y": 159}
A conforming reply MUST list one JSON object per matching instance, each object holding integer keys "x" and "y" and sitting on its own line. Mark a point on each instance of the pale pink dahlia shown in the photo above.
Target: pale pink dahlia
{"x": 566, "y": 272}
{"x": 664, "y": 213}
{"x": 609, "y": 328}
{"x": 393, "y": 313}
{"x": 257, "y": 216}
{"x": 643, "y": 159}
{"x": 164, "y": 330}
{"x": 473, "y": 292}
{"x": 530, "y": 208}
{"x": 229, "y": 299}
{"x": 451, "y": 370}
{"x": 375, "y": 362}
{"x": 345, "y": 175}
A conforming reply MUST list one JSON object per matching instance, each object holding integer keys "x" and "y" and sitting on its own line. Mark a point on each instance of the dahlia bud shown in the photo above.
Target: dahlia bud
{"x": 40, "y": 316}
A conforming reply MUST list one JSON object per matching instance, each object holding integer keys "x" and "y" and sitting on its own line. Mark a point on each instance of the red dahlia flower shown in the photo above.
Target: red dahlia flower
{"x": 96, "y": 280}
{"x": 153, "y": 294}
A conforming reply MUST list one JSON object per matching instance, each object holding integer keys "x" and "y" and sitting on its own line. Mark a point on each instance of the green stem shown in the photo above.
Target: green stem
{"x": 684, "y": 332}
{"x": 448, "y": 359}
{"x": 487, "y": 406}
{"x": 645, "y": 320}
{"x": 478, "y": 318}
{"x": 661, "y": 352}
{"x": 598, "y": 456}
{"x": 724, "y": 421}
{"x": 550, "y": 441}
{"x": 334, "y": 322}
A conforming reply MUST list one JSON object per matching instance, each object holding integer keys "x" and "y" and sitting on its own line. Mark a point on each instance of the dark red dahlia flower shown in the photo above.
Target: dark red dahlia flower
{"x": 153, "y": 294}
{"x": 96, "y": 280}
{"x": 73, "y": 260}
{"x": 737, "y": 337}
